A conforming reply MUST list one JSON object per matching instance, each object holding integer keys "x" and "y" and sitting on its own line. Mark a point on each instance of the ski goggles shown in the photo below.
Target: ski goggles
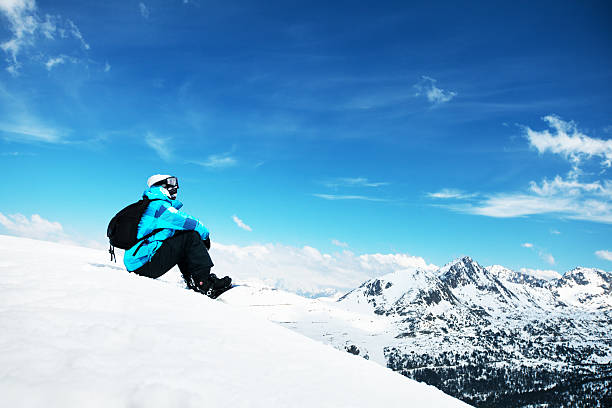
{"x": 171, "y": 182}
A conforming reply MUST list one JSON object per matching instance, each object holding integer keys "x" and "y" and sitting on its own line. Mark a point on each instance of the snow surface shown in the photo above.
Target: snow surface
{"x": 79, "y": 331}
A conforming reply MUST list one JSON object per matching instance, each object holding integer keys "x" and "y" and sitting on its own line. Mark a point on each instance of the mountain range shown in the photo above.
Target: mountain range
{"x": 496, "y": 337}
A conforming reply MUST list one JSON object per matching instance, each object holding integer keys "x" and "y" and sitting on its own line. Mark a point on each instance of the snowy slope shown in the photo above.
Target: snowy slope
{"x": 78, "y": 331}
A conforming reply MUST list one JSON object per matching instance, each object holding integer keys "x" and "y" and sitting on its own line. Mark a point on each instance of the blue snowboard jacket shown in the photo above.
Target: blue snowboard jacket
{"x": 161, "y": 213}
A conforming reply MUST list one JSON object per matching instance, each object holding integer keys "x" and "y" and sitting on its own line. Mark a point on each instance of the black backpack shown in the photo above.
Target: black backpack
{"x": 123, "y": 227}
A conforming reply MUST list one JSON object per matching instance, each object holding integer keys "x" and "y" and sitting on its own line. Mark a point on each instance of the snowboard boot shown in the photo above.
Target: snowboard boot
{"x": 213, "y": 286}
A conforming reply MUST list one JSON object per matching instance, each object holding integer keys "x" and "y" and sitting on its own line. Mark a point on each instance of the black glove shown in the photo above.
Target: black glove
{"x": 207, "y": 242}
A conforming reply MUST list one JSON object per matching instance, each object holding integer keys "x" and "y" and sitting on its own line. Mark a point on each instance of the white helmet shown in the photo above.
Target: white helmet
{"x": 167, "y": 182}
{"x": 156, "y": 178}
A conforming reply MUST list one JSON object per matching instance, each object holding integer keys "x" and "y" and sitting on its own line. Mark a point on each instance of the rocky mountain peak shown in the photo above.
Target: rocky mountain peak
{"x": 584, "y": 287}
{"x": 465, "y": 271}
{"x": 586, "y": 276}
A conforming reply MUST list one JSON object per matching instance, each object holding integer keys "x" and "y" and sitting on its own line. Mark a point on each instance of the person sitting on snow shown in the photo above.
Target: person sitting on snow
{"x": 177, "y": 239}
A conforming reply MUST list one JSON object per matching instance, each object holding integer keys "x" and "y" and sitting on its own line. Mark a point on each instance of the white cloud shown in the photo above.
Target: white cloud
{"x": 107, "y": 67}
{"x": 23, "y": 24}
{"x": 241, "y": 224}
{"x": 548, "y": 258}
{"x": 519, "y": 205}
{"x": 446, "y": 193}
{"x": 19, "y": 124}
{"x": 77, "y": 34}
{"x": 555, "y": 232}
{"x": 545, "y": 256}
{"x": 546, "y": 274}
{"x": 573, "y": 196}
{"x": 161, "y": 146}
{"x": 565, "y": 198}
{"x": 28, "y": 28}
{"x": 33, "y": 227}
{"x": 217, "y": 161}
{"x": 54, "y": 61}
{"x": 144, "y": 11}
{"x": 339, "y": 243}
{"x": 427, "y": 87}
{"x": 49, "y": 26}
{"x": 334, "y": 197}
{"x": 354, "y": 182}
{"x": 571, "y": 187}
{"x": 307, "y": 270}
{"x": 604, "y": 254}
{"x": 568, "y": 141}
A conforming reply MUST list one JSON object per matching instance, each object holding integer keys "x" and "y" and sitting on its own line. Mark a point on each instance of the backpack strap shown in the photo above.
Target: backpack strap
{"x": 111, "y": 251}
{"x": 150, "y": 234}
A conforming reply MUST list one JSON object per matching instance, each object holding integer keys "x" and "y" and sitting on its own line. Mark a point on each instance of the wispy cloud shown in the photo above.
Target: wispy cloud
{"x": 541, "y": 253}
{"x": 161, "y": 146}
{"x": 604, "y": 254}
{"x": 447, "y": 193}
{"x": 107, "y": 67}
{"x": 144, "y": 11}
{"x": 20, "y": 124}
{"x": 217, "y": 161}
{"x": 555, "y": 232}
{"x": 27, "y": 27}
{"x": 54, "y": 61}
{"x": 354, "y": 182}
{"x": 339, "y": 243}
{"x": 16, "y": 154}
{"x": 427, "y": 87}
{"x": 547, "y": 257}
{"x": 61, "y": 59}
{"x": 30, "y": 131}
{"x": 572, "y": 196}
{"x": 76, "y": 33}
{"x": 335, "y": 197}
{"x": 510, "y": 205}
{"x": 241, "y": 224}
{"x": 33, "y": 227}
{"x": 23, "y": 23}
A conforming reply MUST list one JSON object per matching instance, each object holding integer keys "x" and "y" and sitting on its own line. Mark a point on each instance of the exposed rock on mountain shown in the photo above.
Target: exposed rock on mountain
{"x": 497, "y": 336}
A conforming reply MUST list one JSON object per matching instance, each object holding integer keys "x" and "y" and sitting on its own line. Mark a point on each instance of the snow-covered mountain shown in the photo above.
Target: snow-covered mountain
{"x": 76, "y": 331}
{"x": 584, "y": 288}
{"x": 496, "y": 336}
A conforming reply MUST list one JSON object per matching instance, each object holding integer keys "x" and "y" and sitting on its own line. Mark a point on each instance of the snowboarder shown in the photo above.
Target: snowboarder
{"x": 177, "y": 239}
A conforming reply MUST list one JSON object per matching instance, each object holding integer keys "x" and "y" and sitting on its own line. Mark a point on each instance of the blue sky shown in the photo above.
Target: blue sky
{"x": 435, "y": 130}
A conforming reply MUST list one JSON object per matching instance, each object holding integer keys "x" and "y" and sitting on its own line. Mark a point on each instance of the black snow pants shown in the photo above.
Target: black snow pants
{"x": 185, "y": 249}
